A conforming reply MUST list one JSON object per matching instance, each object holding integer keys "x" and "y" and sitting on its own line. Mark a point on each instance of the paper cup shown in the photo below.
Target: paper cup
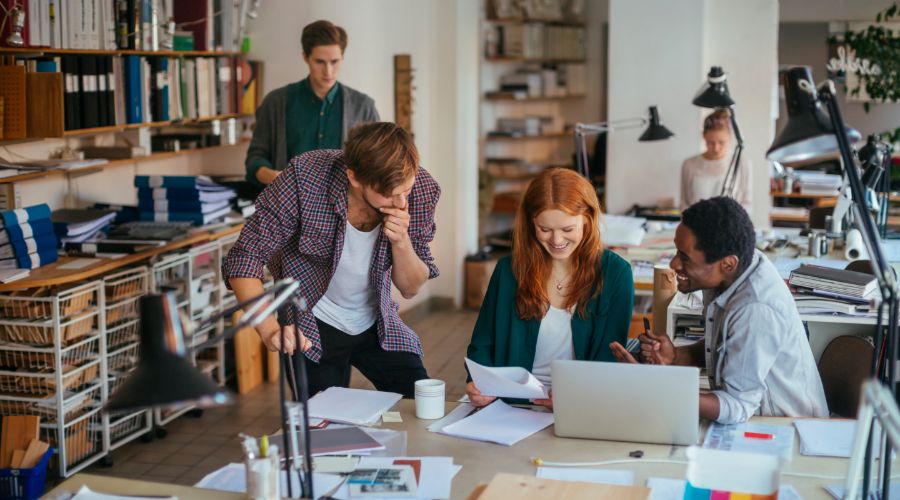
{"x": 429, "y": 398}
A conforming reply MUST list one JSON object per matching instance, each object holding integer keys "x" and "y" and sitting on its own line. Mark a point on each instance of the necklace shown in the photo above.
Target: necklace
{"x": 561, "y": 284}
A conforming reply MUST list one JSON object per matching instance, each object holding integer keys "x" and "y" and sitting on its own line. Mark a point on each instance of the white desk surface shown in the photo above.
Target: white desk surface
{"x": 481, "y": 461}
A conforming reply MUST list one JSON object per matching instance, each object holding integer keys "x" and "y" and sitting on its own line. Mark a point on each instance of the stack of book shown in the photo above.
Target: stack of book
{"x": 27, "y": 239}
{"x": 195, "y": 199}
{"x": 826, "y": 290}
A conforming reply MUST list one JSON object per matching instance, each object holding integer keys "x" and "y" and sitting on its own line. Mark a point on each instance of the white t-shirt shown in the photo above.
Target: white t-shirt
{"x": 349, "y": 303}
{"x": 702, "y": 179}
{"x": 554, "y": 342}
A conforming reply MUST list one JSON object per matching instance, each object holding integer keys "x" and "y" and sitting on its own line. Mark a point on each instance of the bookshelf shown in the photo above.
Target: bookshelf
{"x": 117, "y": 163}
{"x": 30, "y": 52}
{"x": 534, "y": 88}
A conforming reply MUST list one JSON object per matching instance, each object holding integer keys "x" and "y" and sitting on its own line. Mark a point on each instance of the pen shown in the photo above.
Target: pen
{"x": 264, "y": 445}
{"x": 758, "y": 435}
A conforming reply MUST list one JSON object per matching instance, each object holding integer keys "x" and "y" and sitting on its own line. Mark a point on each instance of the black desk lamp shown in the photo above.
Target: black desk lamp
{"x": 655, "y": 132}
{"x": 810, "y": 133}
{"x": 164, "y": 378}
{"x": 714, "y": 94}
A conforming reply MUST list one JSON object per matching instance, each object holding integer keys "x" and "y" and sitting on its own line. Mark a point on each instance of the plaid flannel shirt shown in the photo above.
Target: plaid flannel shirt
{"x": 298, "y": 231}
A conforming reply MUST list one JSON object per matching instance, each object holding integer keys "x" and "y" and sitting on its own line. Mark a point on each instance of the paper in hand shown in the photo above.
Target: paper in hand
{"x": 506, "y": 382}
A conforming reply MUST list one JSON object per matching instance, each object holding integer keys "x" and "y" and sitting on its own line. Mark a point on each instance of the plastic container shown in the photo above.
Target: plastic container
{"x": 715, "y": 474}
{"x": 25, "y": 484}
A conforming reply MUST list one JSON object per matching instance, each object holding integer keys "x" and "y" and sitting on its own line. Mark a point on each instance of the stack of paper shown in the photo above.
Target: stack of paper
{"x": 351, "y": 406}
{"x": 506, "y": 382}
{"x": 499, "y": 423}
{"x": 85, "y": 493}
{"x": 826, "y": 438}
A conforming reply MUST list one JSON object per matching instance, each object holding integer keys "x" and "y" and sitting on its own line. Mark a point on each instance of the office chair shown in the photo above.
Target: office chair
{"x": 844, "y": 366}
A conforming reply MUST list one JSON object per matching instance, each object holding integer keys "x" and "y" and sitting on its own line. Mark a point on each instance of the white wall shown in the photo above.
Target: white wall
{"x": 657, "y": 60}
{"x": 442, "y": 38}
{"x": 831, "y": 10}
{"x": 667, "y": 69}
{"x": 748, "y": 52}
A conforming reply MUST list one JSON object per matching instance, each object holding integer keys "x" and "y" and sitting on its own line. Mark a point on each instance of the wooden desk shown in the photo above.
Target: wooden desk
{"x": 481, "y": 461}
{"x": 52, "y": 275}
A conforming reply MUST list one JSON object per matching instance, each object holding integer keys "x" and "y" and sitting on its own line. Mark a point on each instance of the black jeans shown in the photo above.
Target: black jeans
{"x": 390, "y": 371}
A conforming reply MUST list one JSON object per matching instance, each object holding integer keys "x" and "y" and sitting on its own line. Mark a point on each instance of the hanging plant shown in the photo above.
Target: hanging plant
{"x": 874, "y": 55}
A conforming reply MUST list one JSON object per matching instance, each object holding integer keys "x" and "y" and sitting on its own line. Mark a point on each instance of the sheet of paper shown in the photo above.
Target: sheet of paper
{"x": 78, "y": 263}
{"x": 435, "y": 476}
{"x": 500, "y": 423}
{"x": 460, "y": 412}
{"x": 233, "y": 478}
{"x": 352, "y": 406}
{"x": 826, "y": 438}
{"x": 752, "y": 438}
{"x": 85, "y": 493}
{"x": 663, "y": 488}
{"x": 603, "y": 476}
{"x": 506, "y": 382}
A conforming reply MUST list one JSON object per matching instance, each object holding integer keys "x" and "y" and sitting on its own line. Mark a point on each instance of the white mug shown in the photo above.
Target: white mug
{"x": 429, "y": 398}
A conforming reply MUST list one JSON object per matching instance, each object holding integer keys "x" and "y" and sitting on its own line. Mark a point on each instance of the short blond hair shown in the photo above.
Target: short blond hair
{"x": 381, "y": 155}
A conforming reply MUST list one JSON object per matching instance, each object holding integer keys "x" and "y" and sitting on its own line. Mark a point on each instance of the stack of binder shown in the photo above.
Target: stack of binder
{"x": 27, "y": 239}
{"x": 77, "y": 225}
{"x": 835, "y": 283}
{"x": 195, "y": 199}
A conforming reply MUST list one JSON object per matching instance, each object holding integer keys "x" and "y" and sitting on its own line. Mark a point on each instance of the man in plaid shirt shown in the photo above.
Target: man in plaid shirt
{"x": 345, "y": 224}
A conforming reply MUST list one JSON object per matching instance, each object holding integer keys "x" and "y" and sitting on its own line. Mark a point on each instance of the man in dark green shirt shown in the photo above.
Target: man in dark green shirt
{"x": 314, "y": 113}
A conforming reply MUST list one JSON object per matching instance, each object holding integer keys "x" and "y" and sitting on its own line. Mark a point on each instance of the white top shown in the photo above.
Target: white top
{"x": 349, "y": 303}
{"x": 702, "y": 179}
{"x": 554, "y": 342}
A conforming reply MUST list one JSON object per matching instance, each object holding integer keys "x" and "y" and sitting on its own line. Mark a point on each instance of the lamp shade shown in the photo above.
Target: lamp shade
{"x": 714, "y": 93}
{"x": 808, "y": 133}
{"x": 655, "y": 130}
{"x": 164, "y": 377}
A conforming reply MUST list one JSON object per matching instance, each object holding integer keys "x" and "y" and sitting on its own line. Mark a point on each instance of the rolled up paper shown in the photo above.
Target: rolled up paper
{"x": 664, "y": 288}
{"x": 853, "y": 246}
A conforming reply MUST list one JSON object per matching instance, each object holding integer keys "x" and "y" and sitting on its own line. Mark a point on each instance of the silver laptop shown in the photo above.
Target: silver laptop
{"x": 625, "y": 402}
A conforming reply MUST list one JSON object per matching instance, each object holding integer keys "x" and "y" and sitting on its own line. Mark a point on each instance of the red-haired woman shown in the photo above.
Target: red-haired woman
{"x": 560, "y": 295}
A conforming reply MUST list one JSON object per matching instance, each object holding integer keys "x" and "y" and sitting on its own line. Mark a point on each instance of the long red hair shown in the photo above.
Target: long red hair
{"x": 565, "y": 190}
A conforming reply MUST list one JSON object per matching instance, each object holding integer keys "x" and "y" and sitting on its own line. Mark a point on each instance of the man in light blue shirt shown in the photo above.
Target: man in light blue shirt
{"x": 755, "y": 349}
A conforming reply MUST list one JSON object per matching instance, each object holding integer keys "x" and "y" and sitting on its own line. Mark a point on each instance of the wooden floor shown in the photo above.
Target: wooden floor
{"x": 195, "y": 447}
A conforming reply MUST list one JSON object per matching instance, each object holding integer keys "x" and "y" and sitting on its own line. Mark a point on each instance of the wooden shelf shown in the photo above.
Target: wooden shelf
{"x": 113, "y": 163}
{"x": 557, "y": 135}
{"x": 523, "y": 20}
{"x": 801, "y": 196}
{"x": 489, "y": 97}
{"x": 52, "y": 275}
{"x": 130, "y": 126}
{"x": 535, "y": 59}
{"x": 39, "y": 51}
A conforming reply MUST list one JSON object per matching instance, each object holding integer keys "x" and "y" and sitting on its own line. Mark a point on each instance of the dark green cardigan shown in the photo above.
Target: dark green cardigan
{"x": 502, "y": 338}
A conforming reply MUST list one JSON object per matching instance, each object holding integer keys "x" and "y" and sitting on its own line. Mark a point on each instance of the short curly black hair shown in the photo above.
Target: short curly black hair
{"x": 722, "y": 228}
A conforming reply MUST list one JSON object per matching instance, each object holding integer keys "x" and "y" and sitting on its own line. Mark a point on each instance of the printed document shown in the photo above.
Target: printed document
{"x": 506, "y": 382}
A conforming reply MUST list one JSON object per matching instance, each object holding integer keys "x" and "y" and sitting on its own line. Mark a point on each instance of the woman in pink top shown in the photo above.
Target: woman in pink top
{"x": 702, "y": 175}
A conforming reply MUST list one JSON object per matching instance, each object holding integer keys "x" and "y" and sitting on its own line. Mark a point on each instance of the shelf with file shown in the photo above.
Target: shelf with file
{"x": 130, "y": 126}
{"x": 114, "y": 163}
{"x": 24, "y": 52}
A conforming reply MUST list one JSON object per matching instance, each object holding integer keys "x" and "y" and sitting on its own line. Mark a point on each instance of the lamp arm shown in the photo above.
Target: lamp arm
{"x": 281, "y": 293}
{"x": 876, "y": 402}
{"x": 582, "y": 130}
{"x": 609, "y": 126}
{"x": 883, "y": 271}
{"x": 730, "y": 182}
